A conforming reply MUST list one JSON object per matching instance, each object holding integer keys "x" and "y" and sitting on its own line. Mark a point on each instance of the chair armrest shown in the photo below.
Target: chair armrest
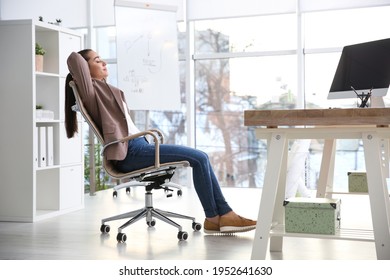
{"x": 159, "y": 134}
{"x": 136, "y": 135}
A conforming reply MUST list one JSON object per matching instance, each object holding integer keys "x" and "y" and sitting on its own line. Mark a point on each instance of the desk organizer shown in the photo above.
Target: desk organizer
{"x": 357, "y": 182}
{"x": 312, "y": 215}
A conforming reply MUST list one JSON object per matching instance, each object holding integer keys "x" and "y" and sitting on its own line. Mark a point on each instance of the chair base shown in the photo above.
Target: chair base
{"x": 149, "y": 212}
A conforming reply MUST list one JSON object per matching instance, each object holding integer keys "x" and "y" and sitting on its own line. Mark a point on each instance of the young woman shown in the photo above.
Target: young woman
{"x": 107, "y": 107}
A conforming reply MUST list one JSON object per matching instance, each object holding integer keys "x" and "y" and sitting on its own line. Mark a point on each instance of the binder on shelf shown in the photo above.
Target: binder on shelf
{"x": 49, "y": 146}
{"x": 36, "y": 153}
{"x": 42, "y": 146}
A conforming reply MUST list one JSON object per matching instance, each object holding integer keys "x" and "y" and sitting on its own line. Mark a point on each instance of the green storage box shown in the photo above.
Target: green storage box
{"x": 357, "y": 182}
{"x": 312, "y": 215}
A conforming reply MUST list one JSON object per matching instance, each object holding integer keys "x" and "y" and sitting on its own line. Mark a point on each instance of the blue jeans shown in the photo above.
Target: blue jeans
{"x": 140, "y": 154}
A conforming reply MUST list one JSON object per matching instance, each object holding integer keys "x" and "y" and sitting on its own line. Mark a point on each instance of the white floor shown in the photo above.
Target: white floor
{"x": 76, "y": 236}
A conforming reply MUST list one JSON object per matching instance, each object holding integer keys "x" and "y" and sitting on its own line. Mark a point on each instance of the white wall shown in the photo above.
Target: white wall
{"x": 209, "y": 9}
{"x": 310, "y": 5}
{"x": 74, "y": 13}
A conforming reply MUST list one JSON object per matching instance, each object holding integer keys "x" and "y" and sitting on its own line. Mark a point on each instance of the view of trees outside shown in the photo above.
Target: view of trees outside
{"x": 251, "y": 63}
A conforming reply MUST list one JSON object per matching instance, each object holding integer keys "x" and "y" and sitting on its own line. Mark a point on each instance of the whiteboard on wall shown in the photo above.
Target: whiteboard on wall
{"x": 147, "y": 53}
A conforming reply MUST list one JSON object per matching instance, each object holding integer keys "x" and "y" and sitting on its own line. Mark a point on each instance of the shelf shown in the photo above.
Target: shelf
{"x": 46, "y": 74}
{"x": 46, "y": 121}
{"x": 341, "y": 234}
{"x": 46, "y": 214}
{"x": 352, "y": 193}
{"x": 48, "y": 167}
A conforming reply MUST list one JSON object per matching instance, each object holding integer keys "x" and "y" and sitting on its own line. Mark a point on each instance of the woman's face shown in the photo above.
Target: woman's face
{"x": 97, "y": 66}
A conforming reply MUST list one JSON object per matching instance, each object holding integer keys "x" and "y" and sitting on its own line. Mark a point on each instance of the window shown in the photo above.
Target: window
{"x": 248, "y": 34}
{"x": 241, "y": 65}
{"x": 319, "y": 72}
{"x": 323, "y": 35}
{"x": 345, "y": 27}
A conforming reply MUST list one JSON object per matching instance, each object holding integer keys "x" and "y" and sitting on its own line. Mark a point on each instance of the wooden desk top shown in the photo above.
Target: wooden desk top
{"x": 318, "y": 117}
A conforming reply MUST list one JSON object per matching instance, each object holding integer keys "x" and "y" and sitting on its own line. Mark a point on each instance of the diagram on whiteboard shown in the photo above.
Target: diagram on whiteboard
{"x": 147, "y": 54}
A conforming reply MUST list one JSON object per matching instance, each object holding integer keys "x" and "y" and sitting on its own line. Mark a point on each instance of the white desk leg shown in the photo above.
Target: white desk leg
{"x": 379, "y": 196}
{"x": 276, "y": 242}
{"x": 327, "y": 168}
{"x": 277, "y": 147}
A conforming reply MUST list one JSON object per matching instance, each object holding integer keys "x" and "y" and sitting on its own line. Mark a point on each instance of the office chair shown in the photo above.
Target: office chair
{"x": 152, "y": 177}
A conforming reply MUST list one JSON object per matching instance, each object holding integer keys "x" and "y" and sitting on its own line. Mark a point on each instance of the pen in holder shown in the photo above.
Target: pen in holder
{"x": 363, "y": 97}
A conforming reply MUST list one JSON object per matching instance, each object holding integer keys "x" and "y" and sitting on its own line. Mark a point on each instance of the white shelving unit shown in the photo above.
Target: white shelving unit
{"x": 31, "y": 190}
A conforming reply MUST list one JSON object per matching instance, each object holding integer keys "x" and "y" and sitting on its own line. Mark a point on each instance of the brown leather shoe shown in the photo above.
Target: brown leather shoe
{"x": 236, "y": 224}
{"x": 210, "y": 228}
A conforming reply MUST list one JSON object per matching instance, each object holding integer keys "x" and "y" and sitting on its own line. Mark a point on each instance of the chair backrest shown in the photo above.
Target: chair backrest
{"x": 79, "y": 107}
{"x": 83, "y": 111}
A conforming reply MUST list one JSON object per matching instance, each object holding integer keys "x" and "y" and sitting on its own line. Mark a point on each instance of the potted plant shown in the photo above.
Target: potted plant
{"x": 39, "y": 53}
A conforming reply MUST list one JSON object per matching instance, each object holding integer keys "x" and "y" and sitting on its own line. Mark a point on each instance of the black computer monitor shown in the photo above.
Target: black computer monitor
{"x": 363, "y": 68}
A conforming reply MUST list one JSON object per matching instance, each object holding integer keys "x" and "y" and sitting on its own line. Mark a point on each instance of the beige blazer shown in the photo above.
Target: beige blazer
{"x": 104, "y": 103}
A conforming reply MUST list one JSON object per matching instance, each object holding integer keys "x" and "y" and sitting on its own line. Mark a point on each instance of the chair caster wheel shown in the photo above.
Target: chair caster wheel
{"x": 179, "y": 193}
{"x": 182, "y": 235}
{"x": 151, "y": 223}
{"x": 104, "y": 228}
{"x": 121, "y": 237}
{"x": 127, "y": 190}
{"x": 115, "y": 194}
{"x": 196, "y": 226}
